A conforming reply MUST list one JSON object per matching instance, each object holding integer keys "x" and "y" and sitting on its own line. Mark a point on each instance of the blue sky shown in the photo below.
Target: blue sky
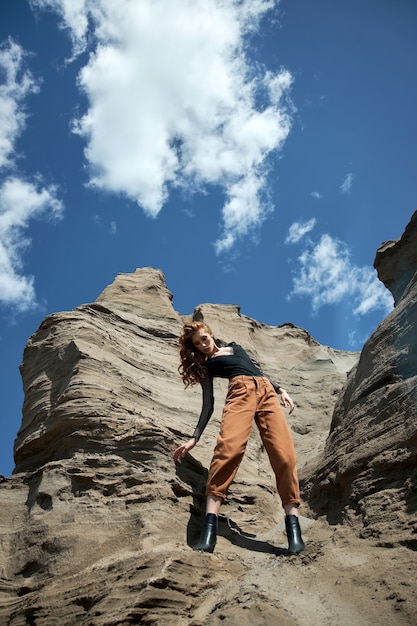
{"x": 258, "y": 152}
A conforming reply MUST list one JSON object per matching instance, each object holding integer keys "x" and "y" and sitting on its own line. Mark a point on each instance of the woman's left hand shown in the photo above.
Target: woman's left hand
{"x": 286, "y": 400}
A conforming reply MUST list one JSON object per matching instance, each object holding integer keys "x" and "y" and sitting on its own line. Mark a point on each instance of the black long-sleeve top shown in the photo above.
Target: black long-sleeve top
{"x": 223, "y": 366}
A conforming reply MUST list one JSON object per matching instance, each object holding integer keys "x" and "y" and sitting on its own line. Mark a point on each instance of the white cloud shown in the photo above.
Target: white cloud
{"x": 20, "y": 201}
{"x": 346, "y": 186}
{"x": 297, "y": 230}
{"x": 316, "y": 194}
{"x": 326, "y": 275}
{"x": 113, "y": 228}
{"x": 278, "y": 86}
{"x": 174, "y": 102}
{"x": 17, "y": 84}
{"x": 73, "y": 15}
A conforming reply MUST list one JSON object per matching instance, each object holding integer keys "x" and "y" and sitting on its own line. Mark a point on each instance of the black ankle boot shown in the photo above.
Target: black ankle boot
{"x": 208, "y": 534}
{"x": 295, "y": 542}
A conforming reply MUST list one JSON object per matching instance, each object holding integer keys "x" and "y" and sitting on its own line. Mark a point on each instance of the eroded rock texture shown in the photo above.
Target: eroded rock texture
{"x": 97, "y": 519}
{"x": 96, "y": 522}
{"x": 368, "y": 472}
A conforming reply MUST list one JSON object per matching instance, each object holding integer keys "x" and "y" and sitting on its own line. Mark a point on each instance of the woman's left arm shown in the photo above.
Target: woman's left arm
{"x": 284, "y": 397}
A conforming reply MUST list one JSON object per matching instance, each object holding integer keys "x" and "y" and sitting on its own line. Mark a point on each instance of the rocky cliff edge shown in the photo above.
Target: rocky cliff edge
{"x": 367, "y": 474}
{"x": 97, "y": 520}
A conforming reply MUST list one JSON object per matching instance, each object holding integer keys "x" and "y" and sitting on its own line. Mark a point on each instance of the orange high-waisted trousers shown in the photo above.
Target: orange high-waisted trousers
{"x": 253, "y": 398}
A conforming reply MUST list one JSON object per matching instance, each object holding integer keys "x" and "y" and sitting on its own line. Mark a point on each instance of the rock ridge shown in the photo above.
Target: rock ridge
{"x": 96, "y": 522}
{"x": 367, "y": 474}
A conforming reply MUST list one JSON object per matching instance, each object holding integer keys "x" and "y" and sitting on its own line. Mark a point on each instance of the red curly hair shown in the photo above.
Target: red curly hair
{"x": 191, "y": 368}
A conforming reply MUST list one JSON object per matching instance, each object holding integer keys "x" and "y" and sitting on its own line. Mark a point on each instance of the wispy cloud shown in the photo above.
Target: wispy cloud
{"x": 20, "y": 202}
{"x": 297, "y": 230}
{"x": 17, "y": 84}
{"x": 20, "y": 199}
{"x": 190, "y": 113}
{"x": 316, "y": 194}
{"x": 346, "y": 186}
{"x": 326, "y": 275}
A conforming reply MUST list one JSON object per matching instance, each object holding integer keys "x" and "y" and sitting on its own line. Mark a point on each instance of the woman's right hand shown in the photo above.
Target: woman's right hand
{"x": 182, "y": 450}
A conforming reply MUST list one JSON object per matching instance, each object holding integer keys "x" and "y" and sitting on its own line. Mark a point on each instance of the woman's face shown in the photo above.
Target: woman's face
{"x": 203, "y": 341}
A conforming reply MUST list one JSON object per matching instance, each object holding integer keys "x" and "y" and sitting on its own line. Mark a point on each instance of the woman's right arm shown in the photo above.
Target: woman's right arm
{"x": 182, "y": 450}
{"x": 208, "y": 407}
{"x": 206, "y": 413}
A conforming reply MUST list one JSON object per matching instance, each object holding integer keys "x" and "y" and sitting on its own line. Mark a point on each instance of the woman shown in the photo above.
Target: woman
{"x": 250, "y": 396}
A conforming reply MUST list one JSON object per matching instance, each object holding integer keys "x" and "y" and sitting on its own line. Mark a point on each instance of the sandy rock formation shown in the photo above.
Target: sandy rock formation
{"x": 96, "y": 520}
{"x": 368, "y": 472}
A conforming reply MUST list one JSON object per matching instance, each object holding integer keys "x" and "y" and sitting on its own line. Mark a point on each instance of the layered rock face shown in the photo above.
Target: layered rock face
{"x": 368, "y": 471}
{"x": 97, "y": 519}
